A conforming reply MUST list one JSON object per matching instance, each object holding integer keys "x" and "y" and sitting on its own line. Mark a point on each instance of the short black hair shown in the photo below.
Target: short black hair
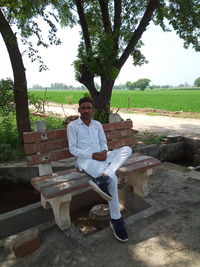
{"x": 85, "y": 99}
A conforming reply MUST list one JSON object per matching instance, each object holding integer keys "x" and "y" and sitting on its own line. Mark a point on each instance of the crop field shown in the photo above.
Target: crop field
{"x": 187, "y": 100}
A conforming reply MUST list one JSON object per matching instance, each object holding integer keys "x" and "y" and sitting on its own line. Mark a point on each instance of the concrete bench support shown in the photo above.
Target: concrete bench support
{"x": 139, "y": 181}
{"x": 61, "y": 209}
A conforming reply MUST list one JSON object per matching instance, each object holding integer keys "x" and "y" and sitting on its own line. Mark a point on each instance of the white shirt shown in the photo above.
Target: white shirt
{"x": 85, "y": 140}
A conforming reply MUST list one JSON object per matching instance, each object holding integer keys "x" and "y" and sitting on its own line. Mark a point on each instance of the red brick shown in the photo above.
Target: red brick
{"x": 25, "y": 243}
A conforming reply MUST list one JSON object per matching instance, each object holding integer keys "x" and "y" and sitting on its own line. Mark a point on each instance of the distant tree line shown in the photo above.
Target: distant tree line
{"x": 140, "y": 84}
{"x": 57, "y": 86}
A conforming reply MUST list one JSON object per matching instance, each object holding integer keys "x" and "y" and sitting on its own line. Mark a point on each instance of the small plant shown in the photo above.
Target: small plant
{"x": 101, "y": 115}
{"x": 150, "y": 138}
{"x": 184, "y": 169}
{"x": 36, "y": 102}
{"x": 87, "y": 94}
{"x": 153, "y": 140}
{"x": 69, "y": 99}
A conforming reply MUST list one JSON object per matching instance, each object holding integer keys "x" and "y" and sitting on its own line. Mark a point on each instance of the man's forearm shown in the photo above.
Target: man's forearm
{"x": 78, "y": 153}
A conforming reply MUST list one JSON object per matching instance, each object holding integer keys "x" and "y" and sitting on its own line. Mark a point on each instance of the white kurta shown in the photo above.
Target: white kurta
{"x": 85, "y": 140}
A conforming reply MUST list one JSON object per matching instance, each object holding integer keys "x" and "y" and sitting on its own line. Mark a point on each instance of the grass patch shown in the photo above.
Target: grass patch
{"x": 171, "y": 100}
{"x": 153, "y": 114}
{"x": 149, "y": 138}
{"x": 187, "y": 100}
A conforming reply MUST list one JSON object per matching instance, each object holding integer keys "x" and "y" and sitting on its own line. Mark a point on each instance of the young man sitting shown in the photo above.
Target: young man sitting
{"x": 87, "y": 142}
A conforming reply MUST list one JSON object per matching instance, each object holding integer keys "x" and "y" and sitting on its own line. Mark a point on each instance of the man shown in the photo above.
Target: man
{"x": 88, "y": 143}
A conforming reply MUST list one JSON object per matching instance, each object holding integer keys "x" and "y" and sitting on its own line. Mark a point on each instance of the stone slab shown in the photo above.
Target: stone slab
{"x": 21, "y": 219}
{"x": 25, "y": 243}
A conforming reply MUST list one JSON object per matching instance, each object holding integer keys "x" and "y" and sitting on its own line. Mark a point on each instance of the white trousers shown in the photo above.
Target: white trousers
{"x": 115, "y": 159}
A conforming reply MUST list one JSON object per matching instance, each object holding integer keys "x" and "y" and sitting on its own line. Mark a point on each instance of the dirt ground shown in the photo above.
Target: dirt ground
{"x": 168, "y": 238}
{"x": 151, "y": 120}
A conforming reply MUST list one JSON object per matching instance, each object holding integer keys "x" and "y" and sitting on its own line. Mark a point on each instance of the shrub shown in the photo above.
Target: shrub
{"x": 69, "y": 99}
{"x": 6, "y": 96}
{"x": 10, "y": 147}
{"x": 8, "y": 130}
{"x": 52, "y": 122}
{"x": 101, "y": 115}
{"x": 7, "y": 152}
{"x": 36, "y": 102}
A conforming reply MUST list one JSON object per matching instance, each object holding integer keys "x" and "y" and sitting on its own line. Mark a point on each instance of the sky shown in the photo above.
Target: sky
{"x": 169, "y": 62}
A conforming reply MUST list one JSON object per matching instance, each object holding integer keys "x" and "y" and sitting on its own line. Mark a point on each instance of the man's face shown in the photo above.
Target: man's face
{"x": 85, "y": 110}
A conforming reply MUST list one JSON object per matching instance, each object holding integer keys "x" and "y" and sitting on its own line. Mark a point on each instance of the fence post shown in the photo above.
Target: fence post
{"x": 129, "y": 101}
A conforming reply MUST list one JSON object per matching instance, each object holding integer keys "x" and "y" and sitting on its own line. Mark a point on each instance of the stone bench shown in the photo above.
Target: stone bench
{"x": 43, "y": 147}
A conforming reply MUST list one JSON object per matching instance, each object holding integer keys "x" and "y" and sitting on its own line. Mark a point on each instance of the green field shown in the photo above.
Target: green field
{"x": 171, "y": 100}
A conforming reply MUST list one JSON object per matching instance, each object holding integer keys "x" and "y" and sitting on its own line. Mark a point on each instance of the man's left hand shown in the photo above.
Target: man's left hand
{"x": 100, "y": 156}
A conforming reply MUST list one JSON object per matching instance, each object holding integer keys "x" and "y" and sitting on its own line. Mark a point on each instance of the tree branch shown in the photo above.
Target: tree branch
{"x": 117, "y": 15}
{"x": 83, "y": 23}
{"x": 117, "y": 22}
{"x": 152, "y": 6}
{"x": 105, "y": 15}
{"x": 87, "y": 78}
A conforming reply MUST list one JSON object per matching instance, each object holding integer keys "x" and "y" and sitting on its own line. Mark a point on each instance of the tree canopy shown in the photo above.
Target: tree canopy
{"x": 111, "y": 31}
{"x": 23, "y": 17}
{"x": 130, "y": 85}
{"x": 197, "y": 82}
{"x": 23, "y": 14}
{"x": 142, "y": 83}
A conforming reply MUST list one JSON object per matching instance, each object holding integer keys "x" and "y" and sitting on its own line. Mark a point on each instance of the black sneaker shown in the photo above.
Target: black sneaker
{"x": 119, "y": 229}
{"x": 100, "y": 185}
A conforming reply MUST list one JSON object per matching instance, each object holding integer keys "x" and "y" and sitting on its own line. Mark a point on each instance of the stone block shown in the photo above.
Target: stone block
{"x": 172, "y": 152}
{"x": 150, "y": 150}
{"x": 174, "y": 138}
{"x": 25, "y": 243}
{"x": 196, "y": 160}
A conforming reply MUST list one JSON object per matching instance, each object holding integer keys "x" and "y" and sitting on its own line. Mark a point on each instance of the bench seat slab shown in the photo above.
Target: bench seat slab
{"x": 138, "y": 163}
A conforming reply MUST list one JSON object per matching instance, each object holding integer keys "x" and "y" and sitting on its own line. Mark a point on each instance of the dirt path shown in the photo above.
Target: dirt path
{"x": 142, "y": 122}
{"x": 164, "y": 124}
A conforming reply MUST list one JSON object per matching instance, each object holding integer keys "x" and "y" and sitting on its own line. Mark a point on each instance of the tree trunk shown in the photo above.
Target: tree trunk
{"x": 101, "y": 99}
{"x": 20, "y": 84}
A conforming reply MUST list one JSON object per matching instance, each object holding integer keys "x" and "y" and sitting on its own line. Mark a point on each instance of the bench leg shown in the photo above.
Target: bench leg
{"x": 60, "y": 206}
{"x": 139, "y": 181}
